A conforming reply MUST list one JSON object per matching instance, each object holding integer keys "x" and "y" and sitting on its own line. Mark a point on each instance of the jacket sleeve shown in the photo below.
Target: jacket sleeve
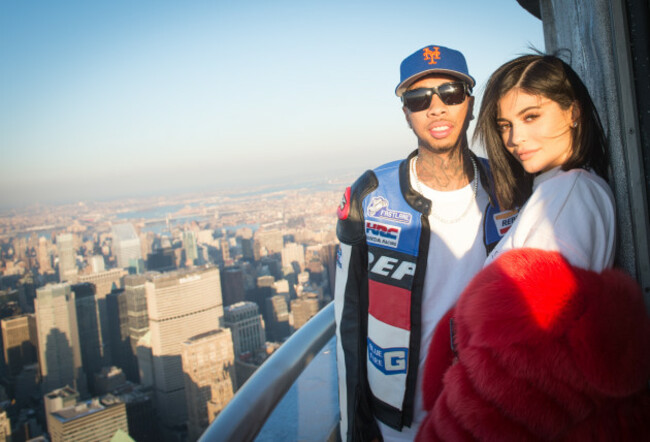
{"x": 351, "y": 311}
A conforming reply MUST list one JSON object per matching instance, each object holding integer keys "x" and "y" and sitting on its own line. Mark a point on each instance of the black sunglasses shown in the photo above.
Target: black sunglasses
{"x": 450, "y": 94}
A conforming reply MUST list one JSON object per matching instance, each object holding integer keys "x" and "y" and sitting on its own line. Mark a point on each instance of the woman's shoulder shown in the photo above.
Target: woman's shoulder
{"x": 574, "y": 194}
{"x": 590, "y": 185}
{"x": 580, "y": 183}
{"x": 587, "y": 176}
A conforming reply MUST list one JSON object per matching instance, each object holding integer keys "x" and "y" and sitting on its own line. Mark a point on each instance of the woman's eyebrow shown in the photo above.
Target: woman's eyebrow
{"x": 522, "y": 111}
{"x": 526, "y": 109}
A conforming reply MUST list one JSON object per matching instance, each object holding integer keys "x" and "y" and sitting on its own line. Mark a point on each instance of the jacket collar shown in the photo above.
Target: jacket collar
{"x": 412, "y": 197}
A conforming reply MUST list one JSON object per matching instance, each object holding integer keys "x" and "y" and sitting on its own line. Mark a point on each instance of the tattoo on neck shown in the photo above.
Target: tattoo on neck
{"x": 445, "y": 172}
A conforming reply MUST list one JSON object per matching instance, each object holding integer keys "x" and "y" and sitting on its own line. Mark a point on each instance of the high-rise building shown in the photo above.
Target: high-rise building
{"x": 26, "y": 426}
{"x": 43, "y": 256}
{"x": 328, "y": 255}
{"x": 191, "y": 251}
{"x": 20, "y": 342}
{"x": 139, "y": 413}
{"x": 105, "y": 282}
{"x": 205, "y": 236}
{"x": 244, "y": 233}
{"x": 312, "y": 253}
{"x": 118, "y": 328}
{"x": 67, "y": 258}
{"x": 27, "y": 386}
{"x": 20, "y": 248}
{"x": 180, "y": 304}
{"x": 225, "y": 250}
{"x": 248, "y": 249}
{"x": 270, "y": 241}
{"x": 303, "y": 309}
{"x": 59, "y": 399}
{"x": 95, "y": 420}
{"x": 161, "y": 260}
{"x": 303, "y": 278}
{"x": 209, "y": 367}
{"x": 265, "y": 281}
{"x": 90, "y": 337}
{"x": 108, "y": 380}
{"x": 259, "y": 295}
{"x": 27, "y": 293}
{"x": 232, "y": 285}
{"x": 278, "y": 326}
{"x": 315, "y": 267}
{"x": 145, "y": 361}
{"x": 5, "y": 426}
{"x": 272, "y": 265}
{"x": 147, "y": 240}
{"x": 245, "y": 323}
{"x": 58, "y": 338}
{"x": 97, "y": 263}
{"x": 281, "y": 287}
{"x": 293, "y": 252}
{"x": 126, "y": 245}
{"x": 137, "y": 319}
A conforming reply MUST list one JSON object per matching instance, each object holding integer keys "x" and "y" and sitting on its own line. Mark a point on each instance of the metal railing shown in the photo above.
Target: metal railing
{"x": 246, "y": 413}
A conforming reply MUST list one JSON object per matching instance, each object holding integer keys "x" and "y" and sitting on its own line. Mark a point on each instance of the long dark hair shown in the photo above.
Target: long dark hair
{"x": 550, "y": 77}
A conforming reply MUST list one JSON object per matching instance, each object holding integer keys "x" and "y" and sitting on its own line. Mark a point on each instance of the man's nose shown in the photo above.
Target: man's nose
{"x": 436, "y": 107}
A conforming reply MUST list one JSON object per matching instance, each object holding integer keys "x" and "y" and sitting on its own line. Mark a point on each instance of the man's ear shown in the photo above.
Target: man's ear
{"x": 407, "y": 116}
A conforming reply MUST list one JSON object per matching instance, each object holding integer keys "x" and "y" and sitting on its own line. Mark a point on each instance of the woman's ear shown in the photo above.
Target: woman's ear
{"x": 575, "y": 113}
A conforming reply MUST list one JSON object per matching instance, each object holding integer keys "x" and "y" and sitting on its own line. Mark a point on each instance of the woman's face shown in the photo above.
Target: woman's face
{"x": 535, "y": 130}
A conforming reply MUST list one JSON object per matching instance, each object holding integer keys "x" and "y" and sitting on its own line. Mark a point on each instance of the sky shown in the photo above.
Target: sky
{"x": 110, "y": 99}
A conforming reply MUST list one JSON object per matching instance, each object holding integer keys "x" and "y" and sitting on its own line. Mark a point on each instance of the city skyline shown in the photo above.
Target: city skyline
{"x": 121, "y": 99}
{"x": 134, "y": 296}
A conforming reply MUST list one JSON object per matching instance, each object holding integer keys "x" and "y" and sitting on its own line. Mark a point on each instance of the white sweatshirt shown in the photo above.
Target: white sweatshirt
{"x": 571, "y": 212}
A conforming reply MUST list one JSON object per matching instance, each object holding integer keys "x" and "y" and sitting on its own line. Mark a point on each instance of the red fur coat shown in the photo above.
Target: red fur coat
{"x": 545, "y": 351}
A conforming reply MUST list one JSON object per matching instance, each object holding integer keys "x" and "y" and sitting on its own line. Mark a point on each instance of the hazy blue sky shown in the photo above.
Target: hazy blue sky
{"x": 123, "y": 97}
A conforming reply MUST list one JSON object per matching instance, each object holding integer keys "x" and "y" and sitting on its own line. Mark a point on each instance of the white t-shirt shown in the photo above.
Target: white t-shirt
{"x": 571, "y": 212}
{"x": 456, "y": 254}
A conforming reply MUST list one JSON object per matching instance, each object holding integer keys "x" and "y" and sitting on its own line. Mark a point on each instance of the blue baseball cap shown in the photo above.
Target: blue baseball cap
{"x": 432, "y": 60}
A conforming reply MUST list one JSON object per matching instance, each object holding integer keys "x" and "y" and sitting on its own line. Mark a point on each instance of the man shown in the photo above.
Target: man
{"x": 411, "y": 237}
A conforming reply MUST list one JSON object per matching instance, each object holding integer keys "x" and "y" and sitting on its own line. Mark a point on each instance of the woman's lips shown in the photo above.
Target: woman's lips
{"x": 523, "y": 156}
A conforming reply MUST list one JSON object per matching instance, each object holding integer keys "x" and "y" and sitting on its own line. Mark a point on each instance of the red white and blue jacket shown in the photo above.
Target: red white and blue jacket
{"x": 383, "y": 230}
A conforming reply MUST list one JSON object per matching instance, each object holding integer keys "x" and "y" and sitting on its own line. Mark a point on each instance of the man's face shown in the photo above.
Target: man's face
{"x": 440, "y": 127}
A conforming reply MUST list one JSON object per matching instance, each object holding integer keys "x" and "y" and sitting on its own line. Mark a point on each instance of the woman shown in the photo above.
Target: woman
{"x": 549, "y": 342}
{"x": 542, "y": 134}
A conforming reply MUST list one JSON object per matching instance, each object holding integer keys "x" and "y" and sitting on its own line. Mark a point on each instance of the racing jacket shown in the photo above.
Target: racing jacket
{"x": 383, "y": 230}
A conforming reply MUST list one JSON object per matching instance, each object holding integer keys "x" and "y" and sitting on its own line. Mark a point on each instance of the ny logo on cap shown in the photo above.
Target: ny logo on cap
{"x": 432, "y": 56}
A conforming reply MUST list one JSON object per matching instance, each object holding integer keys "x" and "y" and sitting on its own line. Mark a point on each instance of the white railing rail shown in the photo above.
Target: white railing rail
{"x": 246, "y": 413}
